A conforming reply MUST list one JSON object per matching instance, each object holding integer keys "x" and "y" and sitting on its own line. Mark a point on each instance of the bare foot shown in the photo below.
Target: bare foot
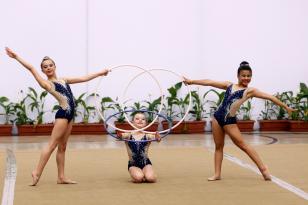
{"x": 66, "y": 181}
{"x": 35, "y": 178}
{"x": 214, "y": 178}
{"x": 137, "y": 181}
{"x": 266, "y": 175}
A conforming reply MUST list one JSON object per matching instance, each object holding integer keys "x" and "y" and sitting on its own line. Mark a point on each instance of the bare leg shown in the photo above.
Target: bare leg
{"x": 57, "y": 133}
{"x": 136, "y": 174}
{"x": 219, "y": 139}
{"x": 149, "y": 174}
{"x": 61, "y": 157}
{"x": 236, "y": 137}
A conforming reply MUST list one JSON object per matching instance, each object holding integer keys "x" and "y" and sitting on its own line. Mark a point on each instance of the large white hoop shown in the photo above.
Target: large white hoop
{"x": 187, "y": 110}
{"x": 121, "y": 104}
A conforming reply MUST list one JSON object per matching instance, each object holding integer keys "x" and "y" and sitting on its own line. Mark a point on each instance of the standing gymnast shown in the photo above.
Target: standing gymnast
{"x": 139, "y": 165}
{"x": 60, "y": 89}
{"x": 224, "y": 121}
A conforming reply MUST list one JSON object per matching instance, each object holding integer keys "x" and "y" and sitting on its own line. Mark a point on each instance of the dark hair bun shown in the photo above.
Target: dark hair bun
{"x": 244, "y": 63}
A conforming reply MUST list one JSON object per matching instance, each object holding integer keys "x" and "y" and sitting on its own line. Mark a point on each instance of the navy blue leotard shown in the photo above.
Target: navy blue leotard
{"x": 62, "y": 92}
{"x": 222, "y": 114}
{"x": 138, "y": 151}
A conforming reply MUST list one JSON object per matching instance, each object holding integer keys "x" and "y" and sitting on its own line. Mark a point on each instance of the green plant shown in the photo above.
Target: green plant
{"x": 281, "y": 113}
{"x": 302, "y": 99}
{"x": 198, "y": 110}
{"x": 169, "y": 109}
{"x": 214, "y": 104}
{"x": 152, "y": 107}
{"x": 87, "y": 111}
{"x": 245, "y": 110}
{"x": 299, "y": 102}
{"x": 137, "y": 106}
{"x": 20, "y": 112}
{"x": 182, "y": 104}
{"x": 117, "y": 108}
{"x": 8, "y": 108}
{"x": 293, "y": 101}
{"x": 269, "y": 110}
{"x": 106, "y": 104}
{"x": 38, "y": 103}
{"x": 173, "y": 102}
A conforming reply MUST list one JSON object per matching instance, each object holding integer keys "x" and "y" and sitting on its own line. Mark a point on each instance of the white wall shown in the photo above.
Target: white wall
{"x": 160, "y": 34}
{"x": 35, "y": 29}
{"x": 271, "y": 35}
{"x": 198, "y": 38}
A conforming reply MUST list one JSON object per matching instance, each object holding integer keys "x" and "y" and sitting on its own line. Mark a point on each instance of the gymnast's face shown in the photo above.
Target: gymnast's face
{"x": 49, "y": 68}
{"x": 139, "y": 120}
{"x": 244, "y": 78}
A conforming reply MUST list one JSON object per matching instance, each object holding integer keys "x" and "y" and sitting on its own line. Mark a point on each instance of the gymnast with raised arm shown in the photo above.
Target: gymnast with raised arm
{"x": 60, "y": 89}
{"x": 224, "y": 120}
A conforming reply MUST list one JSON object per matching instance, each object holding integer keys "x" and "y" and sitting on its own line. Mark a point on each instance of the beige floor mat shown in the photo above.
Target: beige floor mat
{"x": 182, "y": 172}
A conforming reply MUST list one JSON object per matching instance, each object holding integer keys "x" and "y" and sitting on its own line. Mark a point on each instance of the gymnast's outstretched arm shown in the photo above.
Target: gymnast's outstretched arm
{"x": 207, "y": 82}
{"x": 253, "y": 92}
{"x": 42, "y": 82}
{"x": 86, "y": 78}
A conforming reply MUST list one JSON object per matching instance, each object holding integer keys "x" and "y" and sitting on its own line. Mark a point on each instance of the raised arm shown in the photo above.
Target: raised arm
{"x": 42, "y": 82}
{"x": 87, "y": 77}
{"x": 207, "y": 82}
{"x": 257, "y": 93}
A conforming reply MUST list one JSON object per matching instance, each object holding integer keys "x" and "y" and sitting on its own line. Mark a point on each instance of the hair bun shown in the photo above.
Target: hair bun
{"x": 46, "y": 58}
{"x": 244, "y": 63}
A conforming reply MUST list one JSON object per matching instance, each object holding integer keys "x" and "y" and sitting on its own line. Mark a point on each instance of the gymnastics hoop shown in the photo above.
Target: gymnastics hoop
{"x": 128, "y": 140}
{"x": 159, "y": 69}
{"x": 135, "y": 129}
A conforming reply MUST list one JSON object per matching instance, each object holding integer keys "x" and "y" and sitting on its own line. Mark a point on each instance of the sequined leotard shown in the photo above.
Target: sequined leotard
{"x": 225, "y": 114}
{"x": 62, "y": 92}
{"x": 138, "y": 151}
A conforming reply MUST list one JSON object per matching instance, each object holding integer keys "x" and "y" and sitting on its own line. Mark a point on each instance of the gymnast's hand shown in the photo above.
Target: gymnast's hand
{"x": 157, "y": 137}
{"x": 187, "y": 81}
{"x": 104, "y": 72}
{"x": 119, "y": 134}
{"x": 290, "y": 111}
{"x": 10, "y": 53}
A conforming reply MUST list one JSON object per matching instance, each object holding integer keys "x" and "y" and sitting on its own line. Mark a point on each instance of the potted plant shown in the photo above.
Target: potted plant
{"x": 8, "y": 107}
{"x": 24, "y": 123}
{"x": 36, "y": 102}
{"x": 245, "y": 124}
{"x": 299, "y": 120}
{"x": 274, "y": 118}
{"x": 152, "y": 106}
{"x": 37, "y": 105}
{"x": 175, "y": 109}
{"x": 197, "y": 125}
{"x": 121, "y": 121}
{"x": 114, "y": 106}
{"x": 86, "y": 112}
{"x": 106, "y": 104}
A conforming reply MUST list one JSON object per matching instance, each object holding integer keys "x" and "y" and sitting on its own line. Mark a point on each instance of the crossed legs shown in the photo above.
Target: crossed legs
{"x": 58, "y": 138}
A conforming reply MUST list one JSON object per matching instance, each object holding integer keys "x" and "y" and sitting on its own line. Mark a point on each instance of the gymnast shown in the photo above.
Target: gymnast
{"x": 224, "y": 120}
{"x": 60, "y": 89}
{"x": 139, "y": 165}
